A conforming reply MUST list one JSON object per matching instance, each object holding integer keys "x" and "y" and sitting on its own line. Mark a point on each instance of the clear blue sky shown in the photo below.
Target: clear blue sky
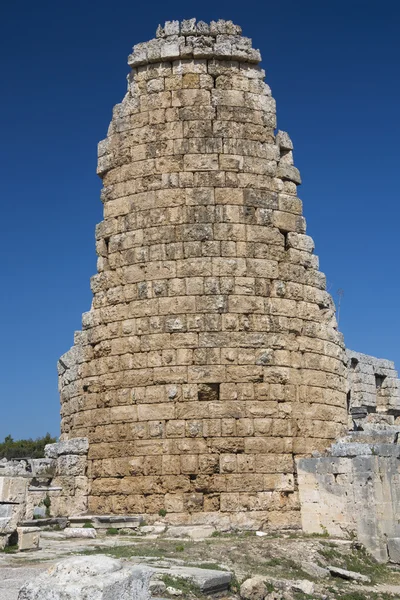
{"x": 334, "y": 71}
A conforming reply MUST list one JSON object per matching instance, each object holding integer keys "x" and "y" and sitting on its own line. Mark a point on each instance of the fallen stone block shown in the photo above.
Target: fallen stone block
{"x": 94, "y": 577}
{"x": 254, "y": 588}
{"x": 194, "y": 532}
{"x": 173, "y": 591}
{"x": 349, "y": 575}
{"x": 157, "y": 587}
{"x": 314, "y": 570}
{"x": 80, "y": 532}
{"x": 304, "y": 586}
{"x": 209, "y": 581}
{"x": 152, "y": 529}
{"x": 28, "y": 538}
{"x": 106, "y": 521}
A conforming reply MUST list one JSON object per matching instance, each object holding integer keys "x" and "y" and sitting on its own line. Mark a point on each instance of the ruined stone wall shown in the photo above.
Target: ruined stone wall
{"x": 19, "y": 480}
{"x": 210, "y": 356}
{"x": 354, "y": 490}
{"x": 373, "y": 386}
{"x": 53, "y": 486}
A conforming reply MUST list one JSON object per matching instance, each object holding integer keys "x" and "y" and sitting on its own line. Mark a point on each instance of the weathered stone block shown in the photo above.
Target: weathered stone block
{"x": 72, "y": 446}
{"x": 92, "y": 577}
{"x": 28, "y": 538}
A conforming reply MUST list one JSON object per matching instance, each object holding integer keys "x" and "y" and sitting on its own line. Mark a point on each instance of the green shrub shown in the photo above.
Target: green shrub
{"x": 11, "y": 549}
{"x": 29, "y": 448}
{"x": 47, "y": 504}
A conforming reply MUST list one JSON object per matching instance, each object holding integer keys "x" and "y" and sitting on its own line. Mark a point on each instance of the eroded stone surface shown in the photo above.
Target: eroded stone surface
{"x": 254, "y": 588}
{"x": 28, "y": 538}
{"x": 373, "y": 385}
{"x": 350, "y": 575}
{"x": 354, "y": 490}
{"x": 77, "y": 446}
{"x": 90, "y": 577}
{"x": 80, "y": 532}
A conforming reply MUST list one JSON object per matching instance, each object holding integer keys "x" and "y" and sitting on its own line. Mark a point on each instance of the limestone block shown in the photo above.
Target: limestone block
{"x": 283, "y": 140}
{"x": 71, "y": 465}
{"x": 393, "y": 545}
{"x": 72, "y": 446}
{"x": 42, "y": 467}
{"x": 254, "y": 588}
{"x": 171, "y": 28}
{"x": 3, "y": 540}
{"x": 288, "y": 172}
{"x": 80, "y": 532}
{"x": 92, "y": 577}
{"x": 349, "y": 575}
{"x": 351, "y": 449}
{"x": 9, "y": 517}
{"x": 28, "y": 538}
{"x": 314, "y": 570}
{"x": 300, "y": 242}
{"x": 13, "y": 489}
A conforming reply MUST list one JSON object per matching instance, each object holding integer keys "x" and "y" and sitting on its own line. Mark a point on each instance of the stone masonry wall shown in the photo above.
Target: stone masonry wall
{"x": 373, "y": 386}
{"x": 17, "y": 479}
{"x": 354, "y": 490}
{"x": 210, "y": 356}
{"x": 57, "y": 482}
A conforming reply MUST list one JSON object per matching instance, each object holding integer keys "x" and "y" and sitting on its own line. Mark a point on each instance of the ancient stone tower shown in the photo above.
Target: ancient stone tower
{"x": 210, "y": 356}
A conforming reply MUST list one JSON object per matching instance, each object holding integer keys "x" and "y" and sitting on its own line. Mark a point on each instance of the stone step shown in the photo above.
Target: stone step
{"x": 61, "y": 522}
{"x": 107, "y": 521}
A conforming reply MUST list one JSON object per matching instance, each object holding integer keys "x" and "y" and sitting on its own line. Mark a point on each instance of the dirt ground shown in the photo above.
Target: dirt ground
{"x": 275, "y": 557}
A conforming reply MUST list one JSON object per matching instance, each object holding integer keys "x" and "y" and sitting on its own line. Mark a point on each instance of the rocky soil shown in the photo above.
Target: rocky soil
{"x": 272, "y": 567}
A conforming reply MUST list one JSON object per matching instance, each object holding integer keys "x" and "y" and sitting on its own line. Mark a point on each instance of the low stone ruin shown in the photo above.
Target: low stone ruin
{"x": 18, "y": 481}
{"x": 353, "y": 490}
{"x": 373, "y": 387}
{"x": 54, "y": 486}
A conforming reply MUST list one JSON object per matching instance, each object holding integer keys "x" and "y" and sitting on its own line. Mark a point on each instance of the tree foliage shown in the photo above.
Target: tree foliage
{"x": 30, "y": 448}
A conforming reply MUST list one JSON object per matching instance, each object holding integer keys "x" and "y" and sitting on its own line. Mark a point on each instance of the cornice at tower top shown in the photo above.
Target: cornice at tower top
{"x": 189, "y": 39}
